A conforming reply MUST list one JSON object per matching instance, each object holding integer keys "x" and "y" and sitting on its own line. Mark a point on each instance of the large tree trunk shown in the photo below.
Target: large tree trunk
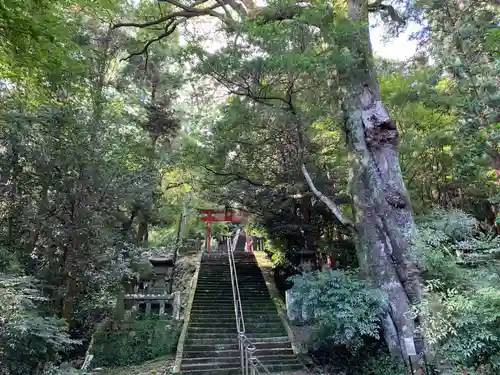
{"x": 383, "y": 218}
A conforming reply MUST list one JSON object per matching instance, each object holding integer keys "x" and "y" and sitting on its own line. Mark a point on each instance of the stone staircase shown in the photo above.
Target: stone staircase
{"x": 211, "y": 345}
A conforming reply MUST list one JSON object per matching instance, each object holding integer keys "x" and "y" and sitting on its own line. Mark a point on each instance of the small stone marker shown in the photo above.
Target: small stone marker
{"x": 410, "y": 346}
{"x": 177, "y": 306}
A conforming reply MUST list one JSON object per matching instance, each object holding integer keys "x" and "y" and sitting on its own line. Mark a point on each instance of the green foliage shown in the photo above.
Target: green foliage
{"x": 459, "y": 313}
{"x": 92, "y": 169}
{"x": 449, "y": 240}
{"x": 381, "y": 363}
{"x": 121, "y": 343}
{"x": 465, "y": 327}
{"x": 30, "y": 341}
{"x": 344, "y": 308}
{"x": 63, "y": 369}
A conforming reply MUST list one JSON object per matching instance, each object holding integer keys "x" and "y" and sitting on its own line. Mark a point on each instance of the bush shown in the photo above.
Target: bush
{"x": 345, "y": 309}
{"x": 465, "y": 327}
{"x": 450, "y": 241}
{"x": 461, "y": 311}
{"x": 29, "y": 342}
{"x": 382, "y": 364}
{"x": 135, "y": 341}
{"x": 63, "y": 369}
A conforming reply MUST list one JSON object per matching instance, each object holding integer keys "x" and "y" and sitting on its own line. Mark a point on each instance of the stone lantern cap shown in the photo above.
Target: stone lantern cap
{"x": 162, "y": 260}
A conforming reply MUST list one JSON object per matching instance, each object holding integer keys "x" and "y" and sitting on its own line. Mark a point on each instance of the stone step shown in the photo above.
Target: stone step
{"x": 190, "y": 353}
{"x": 253, "y": 325}
{"x": 265, "y": 307}
{"x": 236, "y": 360}
{"x": 231, "y": 362}
{"x": 212, "y": 290}
{"x": 228, "y": 292}
{"x": 232, "y": 370}
{"x": 226, "y": 279}
{"x": 261, "y": 336}
{"x": 233, "y": 345}
{"x": 276, "y": 329}
{"x": 237, "y": 370}
{"x": 256, "y": 303}
{"x": 227, "y": 275}
{"x": 259, "y": 310}
{"x": 229, "y": 295}
{"x": 211, "y": 297}
{"x": 209, "y": 290}
{"x": 223, "y": 284}
{"x": 211, "y": 345}
{"x": 228, "y": 312}
{"x": 228, "y": 339}
{"x": 250, "y": 320}
{"x": 227, "y": 284}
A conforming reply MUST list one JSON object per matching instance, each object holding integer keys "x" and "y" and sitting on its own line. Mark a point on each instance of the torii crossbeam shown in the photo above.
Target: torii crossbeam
{"x": 211, "y": 215}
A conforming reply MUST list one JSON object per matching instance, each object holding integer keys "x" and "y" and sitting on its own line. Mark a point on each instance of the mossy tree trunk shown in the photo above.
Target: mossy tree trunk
{"x": 383, "y": 222}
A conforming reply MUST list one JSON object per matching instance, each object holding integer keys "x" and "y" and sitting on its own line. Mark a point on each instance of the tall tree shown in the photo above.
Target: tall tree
{"x": 383, "y": 224}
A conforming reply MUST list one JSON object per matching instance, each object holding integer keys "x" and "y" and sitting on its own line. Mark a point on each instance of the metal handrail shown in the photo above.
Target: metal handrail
{"x": 250, "y": 364}
{"x": 238, "y": 310}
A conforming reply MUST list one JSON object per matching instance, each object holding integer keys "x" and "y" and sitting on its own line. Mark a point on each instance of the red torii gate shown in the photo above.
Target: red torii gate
{"x": 210, "y": 215}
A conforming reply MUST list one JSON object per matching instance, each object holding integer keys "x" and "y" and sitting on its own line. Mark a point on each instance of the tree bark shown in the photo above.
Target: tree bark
{"x": 383, "y": 218}
{"x": 142, "y": 233}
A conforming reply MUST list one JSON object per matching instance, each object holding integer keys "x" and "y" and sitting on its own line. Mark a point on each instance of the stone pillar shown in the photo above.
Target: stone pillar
{"x": 162, "y": 307}
{"x": 176, "y": 305}
{"x": 293, "y": 307}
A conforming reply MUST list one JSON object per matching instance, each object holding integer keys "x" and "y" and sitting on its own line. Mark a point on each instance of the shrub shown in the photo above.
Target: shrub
{"x": 382, "y": 364}
{"x": 449, "y": 241}
{"x": 465, "y": 327}
{"x": 122, "y": 343}
{"x": 63, "y": 369}
{"x": 345, "y": 309}
{"x": 29, "y": 342}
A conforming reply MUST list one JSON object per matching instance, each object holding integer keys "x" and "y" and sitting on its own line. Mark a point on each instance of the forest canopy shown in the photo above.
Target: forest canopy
{"x": 118, "y": 118}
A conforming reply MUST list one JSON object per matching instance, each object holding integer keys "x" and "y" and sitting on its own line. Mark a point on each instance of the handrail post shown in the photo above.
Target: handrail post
{"x": 241, "y": 344}
{"x": 248, "y": 360}
{"x": 251, "y": 358}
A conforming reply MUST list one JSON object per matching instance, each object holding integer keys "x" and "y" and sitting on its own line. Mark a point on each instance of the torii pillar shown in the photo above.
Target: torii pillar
{"x": 210, "y": 215}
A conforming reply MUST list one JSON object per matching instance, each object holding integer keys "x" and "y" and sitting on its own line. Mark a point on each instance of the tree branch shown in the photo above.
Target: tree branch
{"x": 176, "y": 185}
{"x": 187, "y": 11}
{"x": 238, "y": 176}
{"x": 327, "y": 201}
{"x": 169, "y": 29}
{"x": 389, "y": 9}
